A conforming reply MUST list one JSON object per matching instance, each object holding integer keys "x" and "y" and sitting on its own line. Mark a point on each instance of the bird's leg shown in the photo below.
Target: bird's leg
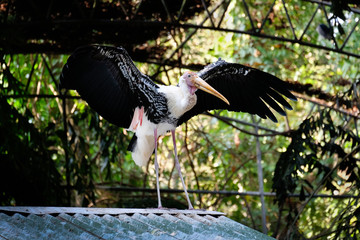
{"x": 177, "y": 165}
{"x": 157, "y": 170}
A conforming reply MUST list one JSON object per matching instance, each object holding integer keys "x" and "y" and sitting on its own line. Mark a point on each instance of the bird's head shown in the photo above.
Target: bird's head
{"x": 193, "y": 82}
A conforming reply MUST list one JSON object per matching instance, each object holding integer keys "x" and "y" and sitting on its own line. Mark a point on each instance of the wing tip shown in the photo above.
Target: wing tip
{"x": 291, "y": 96}
{"x": 294, "y": 99}
{"x": 289, "y": 108}
{"x": 283, "y": 113}
{"x": 272, "y": 118}
{"x": 64, "y": 82}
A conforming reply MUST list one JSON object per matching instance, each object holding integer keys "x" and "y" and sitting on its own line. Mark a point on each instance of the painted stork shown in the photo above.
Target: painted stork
{"x": 109, "y": 81}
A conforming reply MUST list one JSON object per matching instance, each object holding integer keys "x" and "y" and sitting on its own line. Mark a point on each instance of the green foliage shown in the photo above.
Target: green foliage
{"x": 316, "y": 138}
{"x": 28, "y": 175}
{"x": 318, "y": 152}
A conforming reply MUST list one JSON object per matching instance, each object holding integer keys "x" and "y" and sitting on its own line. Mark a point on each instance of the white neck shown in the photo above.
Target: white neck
{"x": 179, "y": 99}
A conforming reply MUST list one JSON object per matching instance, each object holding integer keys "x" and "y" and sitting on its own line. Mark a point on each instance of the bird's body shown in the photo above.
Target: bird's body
{"x": 109, "y": 81}
{"x": 178, "y": 103}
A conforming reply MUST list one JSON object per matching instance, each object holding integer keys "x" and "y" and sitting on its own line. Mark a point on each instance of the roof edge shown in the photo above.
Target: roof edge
{"x": 103, "y": 211}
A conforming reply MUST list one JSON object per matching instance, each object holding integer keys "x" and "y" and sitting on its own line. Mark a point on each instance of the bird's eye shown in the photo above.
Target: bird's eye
{"x": 188, "y": 75}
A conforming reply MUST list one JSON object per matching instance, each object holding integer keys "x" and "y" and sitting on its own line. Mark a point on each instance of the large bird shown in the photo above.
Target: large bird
{"x": 109, "y": 81}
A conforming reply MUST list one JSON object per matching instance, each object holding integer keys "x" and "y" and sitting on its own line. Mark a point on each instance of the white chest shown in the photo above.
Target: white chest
{"x": 178, "y": 101}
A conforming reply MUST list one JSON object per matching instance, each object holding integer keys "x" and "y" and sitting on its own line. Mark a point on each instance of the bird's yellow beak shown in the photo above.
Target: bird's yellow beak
{"x": 202, "y": 85}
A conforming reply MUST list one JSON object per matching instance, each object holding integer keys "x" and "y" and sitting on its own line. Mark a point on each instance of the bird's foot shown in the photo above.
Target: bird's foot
{"x": 162, "y": 208}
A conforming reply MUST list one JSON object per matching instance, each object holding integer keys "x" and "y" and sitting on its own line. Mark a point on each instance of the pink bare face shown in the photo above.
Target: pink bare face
{"x": 190, "y": 77}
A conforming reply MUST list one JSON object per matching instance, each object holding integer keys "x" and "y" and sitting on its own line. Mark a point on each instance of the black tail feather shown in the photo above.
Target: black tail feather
{"x": 132, "y": 143}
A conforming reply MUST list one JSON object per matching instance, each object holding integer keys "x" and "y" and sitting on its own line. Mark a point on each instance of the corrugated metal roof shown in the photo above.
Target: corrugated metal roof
{"x": 115, "y": 223}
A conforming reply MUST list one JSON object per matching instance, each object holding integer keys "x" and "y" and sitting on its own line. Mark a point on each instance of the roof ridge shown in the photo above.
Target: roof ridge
{"x": 102, "y": 211}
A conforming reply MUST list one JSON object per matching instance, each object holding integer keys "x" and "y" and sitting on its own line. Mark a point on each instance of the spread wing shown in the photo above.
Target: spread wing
{"x": 247, "y": 89}
{"x": 109, "y": 81}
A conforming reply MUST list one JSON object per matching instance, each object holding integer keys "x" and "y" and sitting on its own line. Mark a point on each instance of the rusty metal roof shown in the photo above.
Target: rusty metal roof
{"x": 119, "y": 223}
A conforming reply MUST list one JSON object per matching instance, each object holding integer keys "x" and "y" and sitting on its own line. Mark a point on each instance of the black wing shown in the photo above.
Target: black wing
{"x": 247, "y": 89}
{"x": 109, "y": 81}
